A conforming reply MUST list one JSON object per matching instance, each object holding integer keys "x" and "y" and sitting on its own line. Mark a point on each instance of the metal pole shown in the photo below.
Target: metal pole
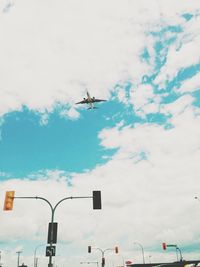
{"x": 52, "y": 218}
{"x": 34, "y": 261}
{"x": 181, "y": 257}
{"x": 18, "y": 256}
{"x": 142, "y": 249}
{"x": 103, "y": 255}
{"x": 103, "y": 259}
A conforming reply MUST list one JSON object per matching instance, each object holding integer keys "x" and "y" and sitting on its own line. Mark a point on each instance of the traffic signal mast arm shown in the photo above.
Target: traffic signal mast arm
{"x": 102, "y": 253}
{"x": 96, "y": 205}
{"x": 52, "y": 208}
{"x": 173, "y": 246}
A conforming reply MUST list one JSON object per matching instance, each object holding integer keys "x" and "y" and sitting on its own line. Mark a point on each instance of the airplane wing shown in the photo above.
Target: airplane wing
{"x": 98, "y": 100}
{"x": 85, "y": 101}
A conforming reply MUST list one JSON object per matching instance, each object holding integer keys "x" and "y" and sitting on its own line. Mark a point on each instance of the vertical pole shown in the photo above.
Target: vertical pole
{"x": 51, "y": 235}
{"x": 181, "y": 257}
{"x": 176, "y": 254}
{"x": 35, "y": 253}
{"x": 102, "y": 259}
{"x": 143, "y": 254}
{"x": 18, "y": 252}
{"x": 142, "y": 249}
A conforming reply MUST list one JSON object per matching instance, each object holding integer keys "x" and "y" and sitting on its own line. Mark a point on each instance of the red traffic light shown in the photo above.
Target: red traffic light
{"x": 9, "y": 198}
{"x": 164, "y": 246}
{"x": 116, "y": 250}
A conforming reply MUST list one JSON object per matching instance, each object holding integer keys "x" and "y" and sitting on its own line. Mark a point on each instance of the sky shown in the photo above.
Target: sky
{"x": 140, "y": 148}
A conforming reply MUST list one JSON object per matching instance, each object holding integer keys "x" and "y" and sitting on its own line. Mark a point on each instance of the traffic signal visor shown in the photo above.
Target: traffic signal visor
{"x": 9, "y": 199}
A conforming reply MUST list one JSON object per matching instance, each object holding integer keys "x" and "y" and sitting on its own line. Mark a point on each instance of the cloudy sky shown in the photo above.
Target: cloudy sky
{"x": 141, "y": 148}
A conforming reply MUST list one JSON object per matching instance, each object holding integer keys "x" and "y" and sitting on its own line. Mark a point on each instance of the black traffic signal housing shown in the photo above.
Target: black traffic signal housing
{"x": 9, "y": 199}
{"x": 116, "y": 250}
{"x": 96, "y": 200}
{"x": 89, "y": 249}
{"x": 52, "y": 233}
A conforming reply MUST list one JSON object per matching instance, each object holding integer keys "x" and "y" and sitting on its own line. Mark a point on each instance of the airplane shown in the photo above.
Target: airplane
{"x": 90, "y": 100}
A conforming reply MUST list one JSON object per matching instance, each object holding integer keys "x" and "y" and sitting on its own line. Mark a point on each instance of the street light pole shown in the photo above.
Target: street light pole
{"x": 52, "y": 219}
{"x": 18, "y": 256}
{"x": 35, "y": 259}
{"x": 142, "y": 249}
{"x": 96, "y": 205}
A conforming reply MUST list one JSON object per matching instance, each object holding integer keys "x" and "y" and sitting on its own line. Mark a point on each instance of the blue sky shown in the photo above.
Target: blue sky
{"x": 140, "y": 147}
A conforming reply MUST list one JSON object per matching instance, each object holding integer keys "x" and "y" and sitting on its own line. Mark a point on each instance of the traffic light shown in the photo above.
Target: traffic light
{"x": 116, "y": 250}
{"x": 9, "y": 198}
{"x": 96, "y": 200}
{"x": 89, "y": 249}
{"x": 164, "y": 246}
{"x": 103, "y": 261}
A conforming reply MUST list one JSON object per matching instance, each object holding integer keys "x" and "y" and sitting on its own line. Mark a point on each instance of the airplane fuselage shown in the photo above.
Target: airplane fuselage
{"x": 90, "y": 100}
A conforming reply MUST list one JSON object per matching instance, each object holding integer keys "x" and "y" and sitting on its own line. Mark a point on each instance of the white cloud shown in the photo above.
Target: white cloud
{"x": 51, "y": 52}
{"x": 144, "y": 100}
{"x": 190, "y": 85}
{"x": 150, "y": 201}
{"x": 183, "y": 54}
{"x": 72, "y": 113}
{"x": 178, "y": 106}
